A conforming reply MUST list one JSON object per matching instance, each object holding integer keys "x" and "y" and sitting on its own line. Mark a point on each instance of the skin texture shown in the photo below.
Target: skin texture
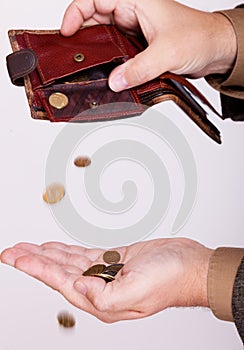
{"x": 157, "y": 274}
{"x": 181, "y": 39}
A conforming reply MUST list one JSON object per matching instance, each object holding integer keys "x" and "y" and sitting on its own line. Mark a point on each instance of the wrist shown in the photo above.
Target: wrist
{"x": 194, "y": 289}
{"x": 224, "y": 45}
{"x": 201, "y": 282}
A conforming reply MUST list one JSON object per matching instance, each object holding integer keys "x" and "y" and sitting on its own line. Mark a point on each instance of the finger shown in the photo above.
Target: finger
{"x": 92, "y": 254}
{"x": 75, "y": 15}
{"x": 99, "y": 19}
{"x": 64, "y": 254}
{"x": 45, "y": 270}
{"x": 62, "y": 257}
{"x": 74, "y": 249}
{"x": 9, "y": 255}
{"x": 66, "y": 258}
{"x": 82, "y": 10}
{"x": 144, "y": 67}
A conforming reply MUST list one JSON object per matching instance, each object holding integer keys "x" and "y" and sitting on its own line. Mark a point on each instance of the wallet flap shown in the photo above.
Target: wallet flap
{"x": 60, "y": 56}
{"x": 20, "y": 64}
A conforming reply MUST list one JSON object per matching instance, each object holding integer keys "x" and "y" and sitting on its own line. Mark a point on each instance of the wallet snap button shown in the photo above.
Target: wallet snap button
{"x": 58, "y": 100}
{"x": 93, "y": 104}
{"x": 79, "y": 57}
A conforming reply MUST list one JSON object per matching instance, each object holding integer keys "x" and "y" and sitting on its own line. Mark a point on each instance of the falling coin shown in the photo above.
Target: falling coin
{"x": 111, "y": 257}
{"x": 94, "y": 270}
{"x": 66, "y": 319}
{"x": 82, "y": 162}
{"x": 54, "y": 193}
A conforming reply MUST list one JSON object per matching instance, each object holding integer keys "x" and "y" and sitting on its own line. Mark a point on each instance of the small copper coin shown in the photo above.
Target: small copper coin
{"x": 111, "y": 257}
{"x": 94, "y": 270}
{"x": 53, "y": 193}
{"x": 66, "y": 319}
{"x": 82, "y": 162}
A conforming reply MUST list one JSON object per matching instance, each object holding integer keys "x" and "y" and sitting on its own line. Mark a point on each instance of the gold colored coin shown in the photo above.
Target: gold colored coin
{"x": 58, "y": 100}
{"x": 106, "y": 277}
{"x": 53, "y": 193}
{"x": 66, "y": 319}
{"x": 82, "y": 162}
{"x": 111, "y": 257}
{"x": 94, "y": 270}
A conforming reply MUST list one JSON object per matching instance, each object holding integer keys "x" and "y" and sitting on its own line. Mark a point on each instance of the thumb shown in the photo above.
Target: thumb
{"x": 144, "y": 67}
{"x": 107, "y": 297}
{"x": 93, "y": 289}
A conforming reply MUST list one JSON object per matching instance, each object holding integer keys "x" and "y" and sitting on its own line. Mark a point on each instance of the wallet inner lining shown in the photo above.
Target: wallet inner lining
{"x": 95, "y": 73}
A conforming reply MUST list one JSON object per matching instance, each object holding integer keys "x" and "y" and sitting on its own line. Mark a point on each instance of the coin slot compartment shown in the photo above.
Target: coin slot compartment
{"x": 96, "y": 73}
{"x": 82, "y": 95}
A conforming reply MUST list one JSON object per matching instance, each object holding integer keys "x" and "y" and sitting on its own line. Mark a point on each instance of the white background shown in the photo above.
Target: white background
{"x": 28, "y": 308}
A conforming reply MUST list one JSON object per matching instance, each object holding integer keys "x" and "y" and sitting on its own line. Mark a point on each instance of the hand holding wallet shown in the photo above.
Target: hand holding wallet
{"x": 66, "y": 78}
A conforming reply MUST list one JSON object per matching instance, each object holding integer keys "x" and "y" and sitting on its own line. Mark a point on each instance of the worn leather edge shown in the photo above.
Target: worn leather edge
{"x": 191, "y": 88}
{"x": 193, "y": 116}
{"x": 27, "y": 83}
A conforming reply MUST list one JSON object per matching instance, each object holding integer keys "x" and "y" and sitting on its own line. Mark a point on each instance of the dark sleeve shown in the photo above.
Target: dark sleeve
{"x": 238, "y": 300}
{"x": 232, "y": 107}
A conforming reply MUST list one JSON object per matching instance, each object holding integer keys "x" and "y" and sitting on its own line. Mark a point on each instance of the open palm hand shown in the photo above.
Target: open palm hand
{"x": 157, "y": 274}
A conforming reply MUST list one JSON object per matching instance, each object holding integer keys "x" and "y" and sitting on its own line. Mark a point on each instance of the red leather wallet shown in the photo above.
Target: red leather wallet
{"x": 66, "y": 78}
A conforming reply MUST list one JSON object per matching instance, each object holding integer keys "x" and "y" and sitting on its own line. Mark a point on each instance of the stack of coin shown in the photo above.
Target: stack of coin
{"x": 107, "y": 273}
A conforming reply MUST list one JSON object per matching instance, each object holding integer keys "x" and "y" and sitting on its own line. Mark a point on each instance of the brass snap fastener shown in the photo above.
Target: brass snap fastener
{"x": 58, "y": 100}
{"x": 93, "y": 104}
{"x": 79, "y": 57}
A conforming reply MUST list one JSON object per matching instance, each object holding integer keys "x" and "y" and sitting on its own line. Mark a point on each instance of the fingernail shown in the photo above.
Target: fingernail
{"x": 80, "y": 287}
{"x": 118, "y": 82}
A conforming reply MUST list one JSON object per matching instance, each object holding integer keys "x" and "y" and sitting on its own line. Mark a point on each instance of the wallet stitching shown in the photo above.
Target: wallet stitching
{"x": 40, "y": 69}
{"x": 113, "y": 42}
{"x": 128, "y": 52}
{"x": 121, "y": 45}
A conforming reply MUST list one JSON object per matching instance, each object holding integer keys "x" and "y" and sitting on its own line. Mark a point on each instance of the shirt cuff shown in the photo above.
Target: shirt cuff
{"x": 223, "y": 267}
{"x": 230, "y": 84}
